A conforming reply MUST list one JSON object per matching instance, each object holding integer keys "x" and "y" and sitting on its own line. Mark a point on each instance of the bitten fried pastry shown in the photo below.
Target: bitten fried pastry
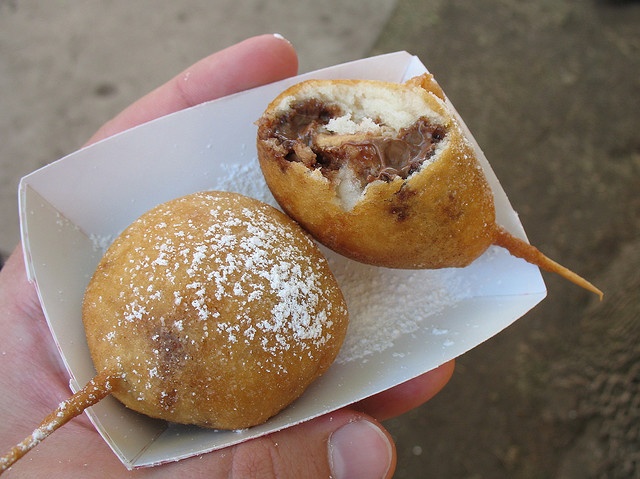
{"x": 382, "y": 173}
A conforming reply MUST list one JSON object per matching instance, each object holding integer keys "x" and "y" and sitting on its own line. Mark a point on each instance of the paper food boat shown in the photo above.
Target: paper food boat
{"x": 403, "y": 323}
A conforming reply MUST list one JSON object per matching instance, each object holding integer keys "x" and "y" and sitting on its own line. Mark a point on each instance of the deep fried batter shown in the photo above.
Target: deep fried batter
{"x": 382, "y": 173}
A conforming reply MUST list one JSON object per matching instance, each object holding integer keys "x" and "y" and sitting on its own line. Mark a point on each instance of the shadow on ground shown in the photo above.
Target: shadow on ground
{"x": 551, "y": 90}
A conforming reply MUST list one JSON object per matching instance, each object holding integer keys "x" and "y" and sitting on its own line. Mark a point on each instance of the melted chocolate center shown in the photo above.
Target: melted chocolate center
{"x": 376, "y": 157}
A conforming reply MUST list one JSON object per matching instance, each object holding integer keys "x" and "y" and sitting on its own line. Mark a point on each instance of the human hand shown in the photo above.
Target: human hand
{"x": 347, "y": 443}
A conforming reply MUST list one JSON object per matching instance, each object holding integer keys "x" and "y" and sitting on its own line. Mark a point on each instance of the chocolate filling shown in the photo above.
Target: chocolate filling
{"x": 376, "y": 157}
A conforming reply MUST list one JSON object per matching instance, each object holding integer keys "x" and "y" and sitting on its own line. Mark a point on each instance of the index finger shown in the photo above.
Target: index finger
{"x": 250, "y": 63}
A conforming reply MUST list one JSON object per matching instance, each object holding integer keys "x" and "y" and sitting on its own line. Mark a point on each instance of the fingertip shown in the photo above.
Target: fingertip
{"x": 279, "y": 51}
{"x": 279, "y": 36}
{"x": 251, "y": 63}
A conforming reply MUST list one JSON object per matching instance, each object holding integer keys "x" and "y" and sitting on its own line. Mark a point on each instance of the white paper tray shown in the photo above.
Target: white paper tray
{"x": 403, "y": 323}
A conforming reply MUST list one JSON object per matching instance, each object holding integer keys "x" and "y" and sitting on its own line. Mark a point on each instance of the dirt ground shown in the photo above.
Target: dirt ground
{"x": 551, "y": 90}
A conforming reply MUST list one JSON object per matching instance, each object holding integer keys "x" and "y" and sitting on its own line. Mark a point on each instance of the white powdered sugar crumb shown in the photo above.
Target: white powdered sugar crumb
{"x": 247, "y": 179}
{"x": 439, "y": 332}
{"x": 386, "y": 304}
{"x": 101, "y": 243}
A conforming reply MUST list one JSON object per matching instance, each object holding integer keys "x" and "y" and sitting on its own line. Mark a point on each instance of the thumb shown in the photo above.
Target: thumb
{"x": 361, "y": 448}
{"x": 344, "y": 444}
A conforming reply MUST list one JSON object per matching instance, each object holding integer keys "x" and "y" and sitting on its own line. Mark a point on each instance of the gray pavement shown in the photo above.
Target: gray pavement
{"x": 550, "y": 88}
{"x": 66, "y": 67}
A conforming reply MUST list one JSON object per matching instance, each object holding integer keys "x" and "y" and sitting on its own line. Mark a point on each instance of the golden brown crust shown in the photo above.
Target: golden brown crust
{"x": 428, "y": 82}
{"x": 216, "y": 309}
{"x": 435, "y": 218}
{"x": 440, "y": 214}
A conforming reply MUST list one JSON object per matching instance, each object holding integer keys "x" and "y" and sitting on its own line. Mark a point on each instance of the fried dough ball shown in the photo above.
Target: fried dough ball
{"x": 382, "y": 173}
{"x": 213, "y": 309}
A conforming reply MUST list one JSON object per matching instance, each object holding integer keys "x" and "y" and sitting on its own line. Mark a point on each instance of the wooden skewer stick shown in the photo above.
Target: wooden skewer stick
{"x": 96, "y": 390}
{"x": 531, "y": 254}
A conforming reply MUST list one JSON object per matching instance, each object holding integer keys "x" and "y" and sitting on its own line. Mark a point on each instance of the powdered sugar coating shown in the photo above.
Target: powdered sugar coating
{"x": 219, "y": 287}
{"x": 177, "y": 252}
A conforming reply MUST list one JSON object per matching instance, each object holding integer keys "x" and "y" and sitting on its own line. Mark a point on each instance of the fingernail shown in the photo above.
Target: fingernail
{"x": 360, "y": 449}
{"x": 281, "y": 37}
